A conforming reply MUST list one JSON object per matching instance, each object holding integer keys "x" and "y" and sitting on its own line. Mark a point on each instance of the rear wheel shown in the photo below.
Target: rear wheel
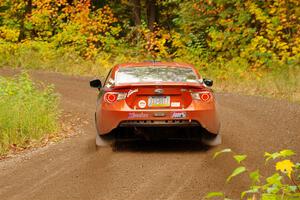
{"x": 210, "y": 139}
{"x": 104, "y": 140}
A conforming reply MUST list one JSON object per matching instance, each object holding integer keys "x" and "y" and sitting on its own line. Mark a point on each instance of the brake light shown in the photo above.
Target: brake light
{"x": 203, "y": 96}
{"x": 111, "y": 97}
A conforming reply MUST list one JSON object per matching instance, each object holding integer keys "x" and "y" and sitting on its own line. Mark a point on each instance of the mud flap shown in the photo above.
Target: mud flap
{"x": 212, "y": 140}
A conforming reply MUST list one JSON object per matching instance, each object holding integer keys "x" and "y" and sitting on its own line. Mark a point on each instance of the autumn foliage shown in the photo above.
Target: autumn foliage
{"x": 72, "y": 25}
{"x": 259, "y": 31}
{"x": 231, "y": 40}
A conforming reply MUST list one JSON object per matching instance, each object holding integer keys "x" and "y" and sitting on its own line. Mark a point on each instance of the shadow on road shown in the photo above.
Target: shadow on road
{"x": 160, "y": 146}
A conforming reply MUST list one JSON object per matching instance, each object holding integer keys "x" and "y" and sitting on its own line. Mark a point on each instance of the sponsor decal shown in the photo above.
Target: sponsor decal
{"x": 179, "y": 115}
{"x": 142, "y": 104}
{"x": 130, "y": 92}
{"x": 137, "y": 115}
{"x": 175, "y": 104}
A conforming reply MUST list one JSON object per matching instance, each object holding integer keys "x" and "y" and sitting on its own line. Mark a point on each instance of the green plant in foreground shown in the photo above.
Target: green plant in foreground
{"x": 27, "y": 113}
{"x": 282, "y": 185}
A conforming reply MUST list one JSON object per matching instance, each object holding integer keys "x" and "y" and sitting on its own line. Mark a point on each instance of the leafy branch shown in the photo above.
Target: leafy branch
{"x": 280, "y": 185}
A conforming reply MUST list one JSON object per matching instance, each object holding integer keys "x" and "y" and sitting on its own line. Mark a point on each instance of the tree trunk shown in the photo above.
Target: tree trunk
{"x": 151, "y": 13}
{"x": 136, "y": 12}
{"x": 28, "y": 9}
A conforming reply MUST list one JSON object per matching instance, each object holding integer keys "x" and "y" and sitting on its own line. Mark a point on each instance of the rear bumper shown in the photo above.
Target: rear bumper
{"x": 158, "y": 123}
{"x": 197, "y": 114}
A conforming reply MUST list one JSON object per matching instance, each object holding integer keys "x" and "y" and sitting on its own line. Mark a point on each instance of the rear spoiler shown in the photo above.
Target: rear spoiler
{"x": 192, "y": 85}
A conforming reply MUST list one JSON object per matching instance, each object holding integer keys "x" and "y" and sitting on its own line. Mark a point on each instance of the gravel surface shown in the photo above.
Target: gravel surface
{"x": 73, "y": 169}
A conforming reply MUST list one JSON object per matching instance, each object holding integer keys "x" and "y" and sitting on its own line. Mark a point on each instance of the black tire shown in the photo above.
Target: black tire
{"x": 103, "y": 140}
{"x": 211, "y": 139}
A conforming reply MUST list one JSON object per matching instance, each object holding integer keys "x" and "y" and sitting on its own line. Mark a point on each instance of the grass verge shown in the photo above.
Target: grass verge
{"x": 27, "y": 113}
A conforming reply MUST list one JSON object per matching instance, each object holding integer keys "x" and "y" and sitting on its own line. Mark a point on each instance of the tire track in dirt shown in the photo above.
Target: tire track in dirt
{"x": 174, "y": 170}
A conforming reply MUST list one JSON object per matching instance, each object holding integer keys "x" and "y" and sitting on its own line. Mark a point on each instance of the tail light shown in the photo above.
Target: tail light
{"x": 111, "y": 97}
{"x": 203, "y": 96}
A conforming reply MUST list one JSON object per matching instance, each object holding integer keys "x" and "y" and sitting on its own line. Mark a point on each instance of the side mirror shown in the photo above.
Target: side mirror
{"x": 96, "y": 83}
{"x": 208, "y": 82}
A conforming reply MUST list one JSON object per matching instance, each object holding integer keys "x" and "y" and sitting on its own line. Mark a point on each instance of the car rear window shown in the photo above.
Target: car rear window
{"x": 155, "y": 74}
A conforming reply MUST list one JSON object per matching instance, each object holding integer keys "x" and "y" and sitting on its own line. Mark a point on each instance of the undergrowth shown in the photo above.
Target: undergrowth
{"x": 283, "y": 184}
{"x": 28, "y": 113}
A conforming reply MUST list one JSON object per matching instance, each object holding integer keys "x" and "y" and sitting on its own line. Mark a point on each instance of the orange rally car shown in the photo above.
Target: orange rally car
{"x": 155, "y": 100}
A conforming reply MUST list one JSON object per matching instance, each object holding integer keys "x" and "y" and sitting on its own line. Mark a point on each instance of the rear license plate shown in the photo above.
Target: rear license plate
{"x": 159, "y": 101}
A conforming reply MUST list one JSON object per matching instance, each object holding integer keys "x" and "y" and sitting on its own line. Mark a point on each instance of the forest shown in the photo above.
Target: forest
{"x": 249, "y": 46}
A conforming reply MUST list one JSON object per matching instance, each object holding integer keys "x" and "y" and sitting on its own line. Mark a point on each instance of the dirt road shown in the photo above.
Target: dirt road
{"x": 181, "y": 170}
